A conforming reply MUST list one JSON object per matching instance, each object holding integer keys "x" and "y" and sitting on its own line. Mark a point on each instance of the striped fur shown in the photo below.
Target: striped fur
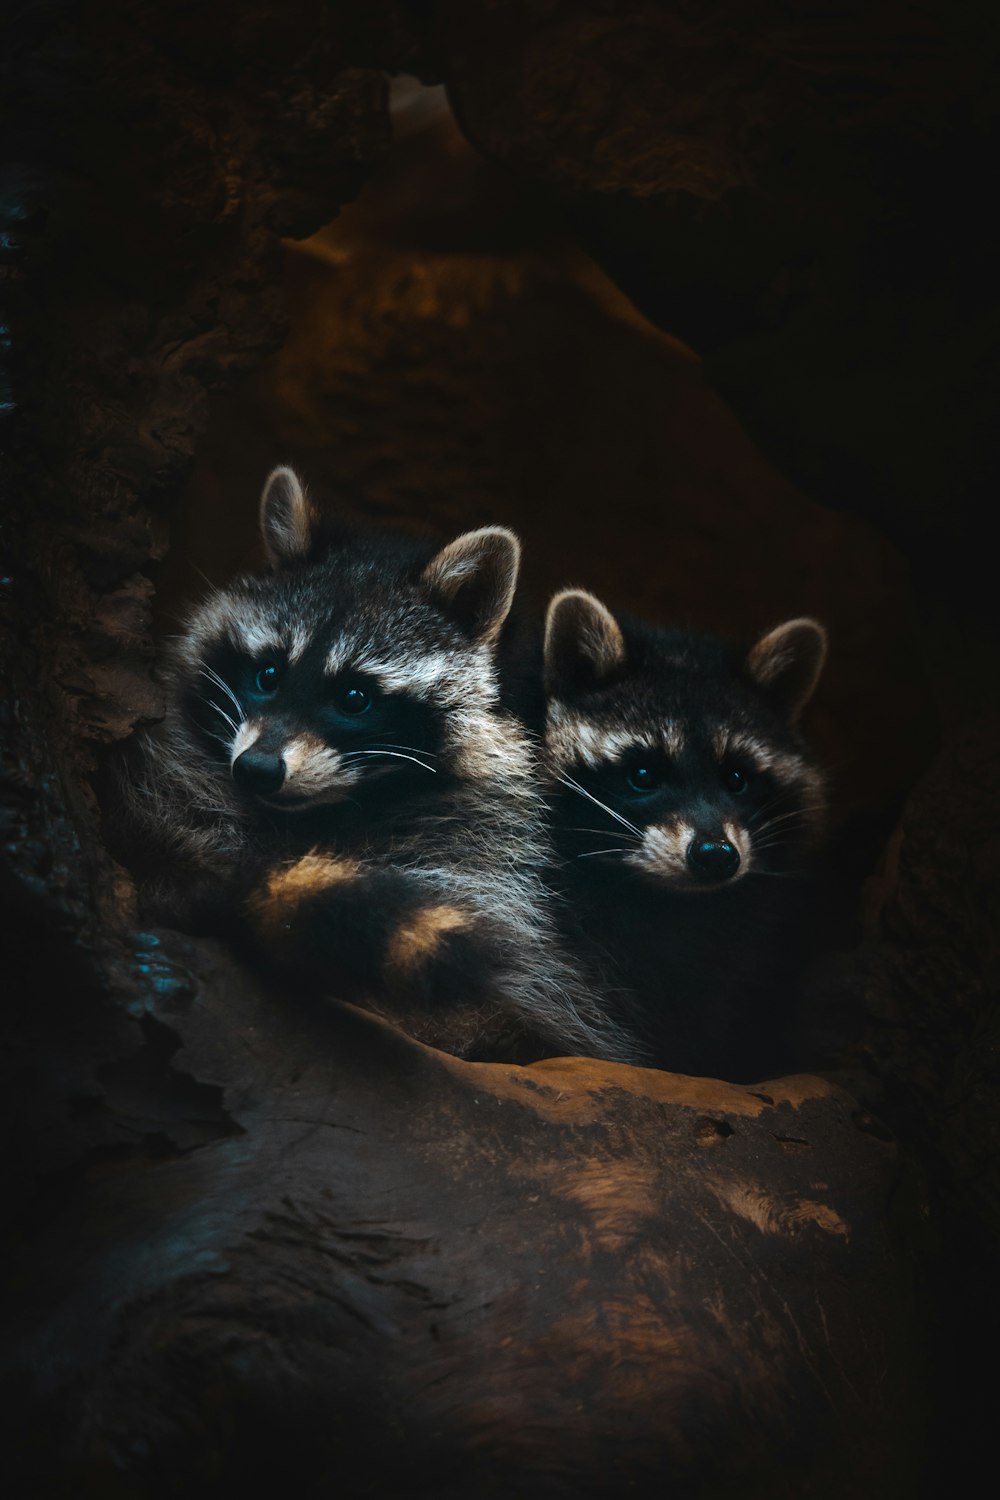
{"x": 685, "y": 810}
{"x": 393, "y": 853}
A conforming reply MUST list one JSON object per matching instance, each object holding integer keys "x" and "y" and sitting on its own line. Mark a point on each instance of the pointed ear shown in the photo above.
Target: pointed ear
{"x": 786, "y": 663}
{"x": 473, "y": 579}
{"x": 584, "y": 645}
{"x": 286, "y": 518}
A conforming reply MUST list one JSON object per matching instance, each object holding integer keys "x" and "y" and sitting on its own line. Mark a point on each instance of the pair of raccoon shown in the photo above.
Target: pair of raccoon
{"x": 340, "y": 781}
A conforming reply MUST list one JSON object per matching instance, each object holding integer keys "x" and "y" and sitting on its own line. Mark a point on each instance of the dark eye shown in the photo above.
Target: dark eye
{"x": 354, "y": 700}
{"x": 267, "y": 679}
{"x": 735, "y": 779}
{"x": 643, "y": 779}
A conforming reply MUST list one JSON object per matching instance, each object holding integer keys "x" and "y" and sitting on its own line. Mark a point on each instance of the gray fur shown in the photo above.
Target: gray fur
{"x": 685, "y": 810}
{"x": 464, "y": 822}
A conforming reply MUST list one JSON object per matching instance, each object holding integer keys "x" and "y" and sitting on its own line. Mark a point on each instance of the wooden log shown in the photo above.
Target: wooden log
{"x": 425, "y": 1276}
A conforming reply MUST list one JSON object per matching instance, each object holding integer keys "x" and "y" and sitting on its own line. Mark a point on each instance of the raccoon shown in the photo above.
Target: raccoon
{"x": 337, "y": 783}
{"x": 686, "y": 813}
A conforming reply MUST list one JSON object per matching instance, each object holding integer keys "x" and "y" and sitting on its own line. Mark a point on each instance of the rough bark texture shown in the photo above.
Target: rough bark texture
{"x": 255, "y": 1239}
{"x": 431, "y": 1277}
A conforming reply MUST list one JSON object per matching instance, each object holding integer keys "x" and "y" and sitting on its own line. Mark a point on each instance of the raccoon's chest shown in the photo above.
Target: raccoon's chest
{"x": 700, "y": 977}
{"x": 369, "y": 825}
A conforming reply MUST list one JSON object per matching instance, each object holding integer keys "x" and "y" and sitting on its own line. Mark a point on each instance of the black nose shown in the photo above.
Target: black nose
{"x": 711, "y": 859}
{"x": 256, "y": 771}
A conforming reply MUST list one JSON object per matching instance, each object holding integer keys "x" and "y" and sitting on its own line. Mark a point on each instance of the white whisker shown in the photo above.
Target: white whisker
{"x": 796, "y": 812}
{"x": 576, "y": 787}
{"x": 353, "y": 755}
{"x": 607, "y": 833}
{"x": 411, "y": 749}
{"x": 209, "y": 703}
{"x": 782, "y": 841}
{"x": 785, "y": 795}
{"x": 787, "y": 819}
{"x": 214, "y": 677}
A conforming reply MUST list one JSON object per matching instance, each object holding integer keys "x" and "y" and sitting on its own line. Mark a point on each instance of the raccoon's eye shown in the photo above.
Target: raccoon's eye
{"x": 267, "y": 679}
{"x": 354, "y": 701}
{"x": 643, "y": 779}
{"x": 735, "y": 779}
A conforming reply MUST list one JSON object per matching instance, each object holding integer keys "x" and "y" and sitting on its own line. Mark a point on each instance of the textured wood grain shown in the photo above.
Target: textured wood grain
{"x": 437, "y": 1277}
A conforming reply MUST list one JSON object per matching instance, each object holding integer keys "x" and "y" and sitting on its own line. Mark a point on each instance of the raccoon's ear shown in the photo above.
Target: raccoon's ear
{"x": 787, "y": 661}
{"x": 584, "y": 645}
{"x": 286, "y": 518}
{"x": 473, "y": 579}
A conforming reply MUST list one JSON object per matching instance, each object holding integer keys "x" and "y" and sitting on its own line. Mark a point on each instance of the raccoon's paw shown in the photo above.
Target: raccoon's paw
{"x": 442, "y": 953}
{"x": 360, "y": 931}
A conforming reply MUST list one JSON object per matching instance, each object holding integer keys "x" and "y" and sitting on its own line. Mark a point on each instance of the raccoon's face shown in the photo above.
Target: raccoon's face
{"x": 349, "y": 668}
{"x": 673, "y": 754}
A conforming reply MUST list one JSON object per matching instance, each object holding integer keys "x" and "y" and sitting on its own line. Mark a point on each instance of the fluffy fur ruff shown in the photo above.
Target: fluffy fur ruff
{"x": 686, "y": 812}
{"x": 338, "y": 783}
